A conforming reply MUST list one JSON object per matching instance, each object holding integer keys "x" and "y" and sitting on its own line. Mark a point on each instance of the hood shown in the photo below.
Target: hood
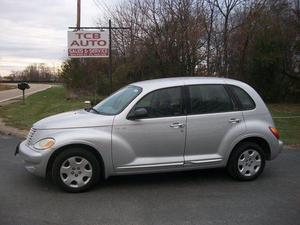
{"x": 74, "y": 119}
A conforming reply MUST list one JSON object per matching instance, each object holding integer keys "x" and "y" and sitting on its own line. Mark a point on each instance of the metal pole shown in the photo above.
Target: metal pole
{"x": 110, "y": 28}
{"x": 78, "y": 14}
{"x": 110, "y": 57}
{"x": 23, "y": 96}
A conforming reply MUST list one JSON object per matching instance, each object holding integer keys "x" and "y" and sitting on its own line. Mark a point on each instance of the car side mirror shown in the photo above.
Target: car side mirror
{"x": 138, "y": 114}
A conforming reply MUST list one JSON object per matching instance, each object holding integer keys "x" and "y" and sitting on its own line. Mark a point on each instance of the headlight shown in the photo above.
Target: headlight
{"x": 44, "y": 144}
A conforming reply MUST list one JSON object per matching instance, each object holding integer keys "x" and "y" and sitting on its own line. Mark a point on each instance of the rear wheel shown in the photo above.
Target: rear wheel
{"x": 246, "y": 162}
{"x": 75, "y": 170}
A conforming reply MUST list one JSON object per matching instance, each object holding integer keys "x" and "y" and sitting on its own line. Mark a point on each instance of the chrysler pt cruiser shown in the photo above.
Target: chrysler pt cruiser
{"x": 151, "y": 126}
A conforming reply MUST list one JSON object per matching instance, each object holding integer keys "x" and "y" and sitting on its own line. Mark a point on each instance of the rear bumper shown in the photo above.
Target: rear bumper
{"x": 34, "y": 161}
{"x": 276, "y": 149}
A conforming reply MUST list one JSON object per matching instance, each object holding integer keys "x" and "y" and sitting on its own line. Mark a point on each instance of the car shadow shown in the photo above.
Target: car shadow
{"x": 168, "y": 178}
{"x": 203, "y": 177}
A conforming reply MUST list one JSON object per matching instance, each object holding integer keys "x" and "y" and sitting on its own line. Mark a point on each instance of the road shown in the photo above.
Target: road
{"x": 190, "y": 198}
{"x": 16, "y": 93}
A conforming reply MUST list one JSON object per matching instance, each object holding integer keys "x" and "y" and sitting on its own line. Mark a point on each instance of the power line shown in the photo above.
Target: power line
{"x": 103, "y": 7}
{"x": 97, "y": 5}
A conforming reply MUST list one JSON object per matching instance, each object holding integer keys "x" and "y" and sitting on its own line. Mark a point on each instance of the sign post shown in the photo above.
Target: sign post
{"x": 110, "y": 58}
{"x": 23, "y": 86}
{"x": 94, "y": 43}
{"x": 91, "y": 44}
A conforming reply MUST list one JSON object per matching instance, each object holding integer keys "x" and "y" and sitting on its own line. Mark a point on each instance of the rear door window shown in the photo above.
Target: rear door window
{"x": 209, "y": 98}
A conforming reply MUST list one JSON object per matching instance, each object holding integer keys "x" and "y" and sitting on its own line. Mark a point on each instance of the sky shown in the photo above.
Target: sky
{"x": 35, "y": 31}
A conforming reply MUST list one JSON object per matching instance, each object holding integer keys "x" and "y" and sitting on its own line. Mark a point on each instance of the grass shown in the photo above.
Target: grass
{"x": 53, "y": 101}
{"x": 4, "y": 87}
{"x": 38, "y": 106}
{"x": 289, "y": 128}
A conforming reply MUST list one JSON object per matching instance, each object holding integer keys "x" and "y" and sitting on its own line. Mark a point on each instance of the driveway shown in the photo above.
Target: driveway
{"x": 16, "y": 93}
{"x": 190, "y": 198}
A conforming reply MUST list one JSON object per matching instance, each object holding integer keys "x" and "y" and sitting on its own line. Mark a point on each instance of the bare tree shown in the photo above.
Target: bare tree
{"x": 226, "y": 8}
{"x": 233, "y": 38}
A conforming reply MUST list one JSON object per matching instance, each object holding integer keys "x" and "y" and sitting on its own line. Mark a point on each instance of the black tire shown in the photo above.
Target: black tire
{"x": 233, "y": 167}
{"x": 93, "y": 168}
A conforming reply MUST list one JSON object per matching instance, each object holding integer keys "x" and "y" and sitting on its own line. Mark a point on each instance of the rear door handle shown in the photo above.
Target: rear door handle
{"x": 177, "y": 125}
{"x": 234, "y": 120}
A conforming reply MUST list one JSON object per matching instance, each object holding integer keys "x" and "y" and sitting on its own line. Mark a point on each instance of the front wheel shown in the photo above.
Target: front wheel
{"x": 75, "y": 170}
{"x": 246, "y": 162}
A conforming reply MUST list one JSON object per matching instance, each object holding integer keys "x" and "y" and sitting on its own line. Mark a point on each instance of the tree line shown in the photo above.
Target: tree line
{"x": 256, "y": 41}
{"x": 36, "y": 72}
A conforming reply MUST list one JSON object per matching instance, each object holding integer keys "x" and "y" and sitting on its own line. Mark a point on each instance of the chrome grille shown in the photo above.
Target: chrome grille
{"x": 30, "y": 136}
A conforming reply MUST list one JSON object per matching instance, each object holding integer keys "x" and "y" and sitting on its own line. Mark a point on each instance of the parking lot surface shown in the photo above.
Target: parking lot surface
{"x": 187, "y": 198}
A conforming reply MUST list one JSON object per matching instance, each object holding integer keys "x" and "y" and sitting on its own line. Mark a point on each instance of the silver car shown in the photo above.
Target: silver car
{"x": 151, "y": 126}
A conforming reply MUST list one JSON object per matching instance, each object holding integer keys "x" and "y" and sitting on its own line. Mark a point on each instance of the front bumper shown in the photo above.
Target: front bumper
{"x": 35, "y": 161}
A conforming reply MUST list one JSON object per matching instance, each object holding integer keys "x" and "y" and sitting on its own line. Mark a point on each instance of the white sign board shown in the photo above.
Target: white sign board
{"x": 88, "y": 44}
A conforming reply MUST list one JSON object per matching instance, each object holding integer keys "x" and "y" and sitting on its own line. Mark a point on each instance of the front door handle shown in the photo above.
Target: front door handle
{"x": 234, "y": 120}
{"x": 177, "y": 125}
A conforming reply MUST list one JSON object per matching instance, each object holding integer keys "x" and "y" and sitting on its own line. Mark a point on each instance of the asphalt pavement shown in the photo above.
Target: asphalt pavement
{"x": 186, "y": 198}
{"x": 16, "y": 93}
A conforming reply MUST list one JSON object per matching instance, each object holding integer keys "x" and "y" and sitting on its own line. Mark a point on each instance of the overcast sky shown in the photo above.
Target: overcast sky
{"x": 35, "y": 31}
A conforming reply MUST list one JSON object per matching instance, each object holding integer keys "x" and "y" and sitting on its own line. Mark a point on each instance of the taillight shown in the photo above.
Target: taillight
{"x": 275, "y": 132}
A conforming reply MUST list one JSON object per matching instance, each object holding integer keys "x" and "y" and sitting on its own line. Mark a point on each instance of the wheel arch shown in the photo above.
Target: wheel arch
{"x": 69, "y": 146}
{"x": 257, "y": 140}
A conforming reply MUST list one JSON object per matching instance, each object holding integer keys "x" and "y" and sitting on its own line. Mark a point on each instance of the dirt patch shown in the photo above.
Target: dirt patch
{"x": 8, "y": 130}
{"x": 293, "y": 146}
{"x": 4, "y": 87}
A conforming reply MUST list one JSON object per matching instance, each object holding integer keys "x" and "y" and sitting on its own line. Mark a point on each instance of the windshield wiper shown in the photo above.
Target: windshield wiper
{"x": 92, "y": 109}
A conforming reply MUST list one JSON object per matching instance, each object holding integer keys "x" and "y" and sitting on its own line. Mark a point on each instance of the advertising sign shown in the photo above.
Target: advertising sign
{"x": 88, "y": 44}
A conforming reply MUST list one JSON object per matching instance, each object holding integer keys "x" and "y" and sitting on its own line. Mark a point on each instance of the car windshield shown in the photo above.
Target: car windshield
{"x": 115, "y": 103}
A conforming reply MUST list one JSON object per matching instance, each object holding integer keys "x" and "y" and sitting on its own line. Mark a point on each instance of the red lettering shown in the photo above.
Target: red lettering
{"x": 88, "y": 52}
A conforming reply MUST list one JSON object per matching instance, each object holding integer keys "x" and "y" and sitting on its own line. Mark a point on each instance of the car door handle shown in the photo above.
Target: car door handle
{"x": 177, "y": 125}
{"x": 234, "y": 120}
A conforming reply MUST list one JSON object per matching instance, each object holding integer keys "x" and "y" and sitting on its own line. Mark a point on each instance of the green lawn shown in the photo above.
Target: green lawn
{"x": 38, "y": 106}
{"x": 53, "y": 101}
{"x": 289, "y": 128}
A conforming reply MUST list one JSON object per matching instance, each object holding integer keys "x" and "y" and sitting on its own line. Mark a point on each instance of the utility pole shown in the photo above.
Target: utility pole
{"x": 109, "y": 28}
{"x": 297, "y": 42}
{"x": 78, "y": 14}
{"x": 110, "y": 59}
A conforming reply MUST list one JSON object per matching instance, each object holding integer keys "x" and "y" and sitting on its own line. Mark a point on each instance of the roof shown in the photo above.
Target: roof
{"x": 178, "y": 81}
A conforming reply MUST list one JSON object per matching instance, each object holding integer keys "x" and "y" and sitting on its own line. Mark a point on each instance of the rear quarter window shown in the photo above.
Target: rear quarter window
{"x": 245, "y": 101}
